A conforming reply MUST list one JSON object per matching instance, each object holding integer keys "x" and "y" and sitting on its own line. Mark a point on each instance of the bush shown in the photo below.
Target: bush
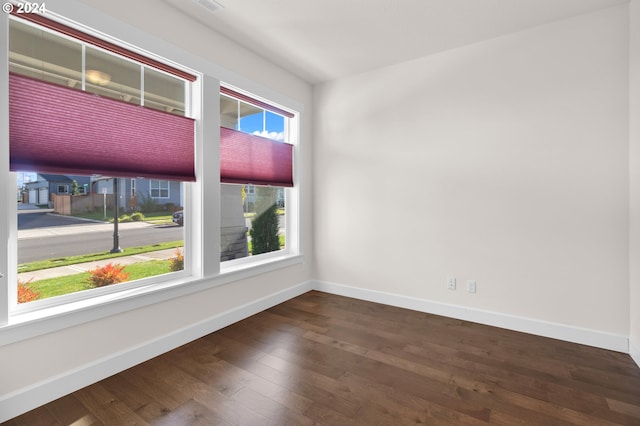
{"x": 147, "y": 204}
{"x": 108, "y": 274}
{"x": 137, "y": 217}
{"x": 26, "y": 293}
{"x": 125, "y": 218}
{"x": 177, "y": 263}
{"x": 264, "y": 232}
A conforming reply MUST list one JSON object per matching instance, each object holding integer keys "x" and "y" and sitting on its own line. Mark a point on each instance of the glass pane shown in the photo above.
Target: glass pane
{"x": 45, "y": 56}
{"x": 164, "y": 92}
{"x": 228, "y": 112}
{"x": 265, "y": 124}
{"x": 75, "y": 249}
{"x": 238, "y": 115}
{"x": 112, "y": 76}
{"x": 253, "y": 220}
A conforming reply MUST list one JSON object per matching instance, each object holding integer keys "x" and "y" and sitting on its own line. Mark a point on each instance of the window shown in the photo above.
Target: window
{"x": 255, "y": 170}
{"x": 159, "y": 188}
{"x": 131, "y": 179}
{"x": 31, "y": 46}
{"x": 112, "y": 76}
{"x": 163, "y": 92}
{"x": 50, "y": 73}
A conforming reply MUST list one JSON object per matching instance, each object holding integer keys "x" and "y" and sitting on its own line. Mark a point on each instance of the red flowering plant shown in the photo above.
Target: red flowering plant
{"x": 108, "y": 274}
{"x": 26, "y": 293}
{"x": 177, "y": 263}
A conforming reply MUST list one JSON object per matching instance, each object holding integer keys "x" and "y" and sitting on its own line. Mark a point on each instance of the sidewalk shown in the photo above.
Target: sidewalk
{"x": 81, "y": 229}
{"x": 78, "y": 229}
{"x": 84, "y": 267}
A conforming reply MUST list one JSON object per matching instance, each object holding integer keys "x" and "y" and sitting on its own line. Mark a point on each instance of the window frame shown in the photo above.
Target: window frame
{"x": 134, "y": 191}
{"x": 201, "y": 198}
{"x": 159, "y": 189}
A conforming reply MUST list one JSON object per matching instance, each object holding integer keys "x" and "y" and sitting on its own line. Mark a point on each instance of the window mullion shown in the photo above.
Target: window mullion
{"x": 142, "y": 85}
{"x": 203, "y": 222}
{"x": 84, "y": 67}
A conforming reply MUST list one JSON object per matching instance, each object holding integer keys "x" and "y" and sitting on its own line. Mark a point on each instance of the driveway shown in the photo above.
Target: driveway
{"x": 38, "y": 219}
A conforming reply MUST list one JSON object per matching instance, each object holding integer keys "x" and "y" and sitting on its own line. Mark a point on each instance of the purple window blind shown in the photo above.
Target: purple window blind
{"x": 249, "y": 159}
{"x": 56, "y": 129}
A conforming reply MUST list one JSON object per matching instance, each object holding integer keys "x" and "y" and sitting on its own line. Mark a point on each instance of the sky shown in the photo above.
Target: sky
{"x": 25, "y": 177}
{"x": 274, "y": 128}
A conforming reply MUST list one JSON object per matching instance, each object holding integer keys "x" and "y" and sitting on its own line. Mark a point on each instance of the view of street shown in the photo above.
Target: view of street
{"x": 43, "y": 236}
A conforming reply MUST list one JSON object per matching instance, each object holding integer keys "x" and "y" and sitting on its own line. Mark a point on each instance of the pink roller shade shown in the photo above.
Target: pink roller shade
{"x": 56, "y": 129}
{"x": 249, "y": 159}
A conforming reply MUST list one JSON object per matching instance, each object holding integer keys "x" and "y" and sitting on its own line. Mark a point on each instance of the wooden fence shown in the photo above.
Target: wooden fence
{"x": 78, "y": 204}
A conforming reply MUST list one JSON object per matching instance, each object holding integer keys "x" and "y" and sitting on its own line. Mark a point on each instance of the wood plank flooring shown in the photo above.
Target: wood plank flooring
{"x": 321, "y": 359}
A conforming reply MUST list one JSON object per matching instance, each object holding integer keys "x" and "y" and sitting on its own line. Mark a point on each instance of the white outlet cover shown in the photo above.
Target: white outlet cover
{"x": 451, "y": 283}
{"x": 471, "y": 286}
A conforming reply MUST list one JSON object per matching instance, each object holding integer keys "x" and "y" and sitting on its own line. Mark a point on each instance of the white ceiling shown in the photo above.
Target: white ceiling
{"x": 328, "y": 39}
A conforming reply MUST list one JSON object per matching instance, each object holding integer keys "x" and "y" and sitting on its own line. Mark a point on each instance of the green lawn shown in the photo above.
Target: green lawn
{"x": 78, "y": 282}
{"x": 157, "y": 218}
{"x": 73, "y": 260}
{"x": 73, "y": 283}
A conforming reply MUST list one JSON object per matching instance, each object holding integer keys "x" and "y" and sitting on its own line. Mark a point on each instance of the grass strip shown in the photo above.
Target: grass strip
{"x": 52, "y": 287}
{"x": 156, "y": 218}
{"x": 73, "y": 260}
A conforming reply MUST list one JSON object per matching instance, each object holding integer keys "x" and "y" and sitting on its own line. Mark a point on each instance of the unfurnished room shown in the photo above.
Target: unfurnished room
{"x": 287, "y": 212}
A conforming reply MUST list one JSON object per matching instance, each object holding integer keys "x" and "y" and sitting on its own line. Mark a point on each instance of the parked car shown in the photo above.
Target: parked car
{"x": 178, "y": 217}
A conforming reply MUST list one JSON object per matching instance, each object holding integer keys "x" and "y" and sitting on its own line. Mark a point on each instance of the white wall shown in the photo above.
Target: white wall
{"x": 634, "y": 178}
{"x": 505, "y": 162}
{"x": 35, "y": 370}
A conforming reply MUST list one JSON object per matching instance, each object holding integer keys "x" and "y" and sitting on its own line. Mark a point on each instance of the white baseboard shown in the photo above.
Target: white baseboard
{"x": 568, "y": 333}
{"x": 634, "y": 351}
{"x": 28, "y": 398}
{"x": 25, "y": 399}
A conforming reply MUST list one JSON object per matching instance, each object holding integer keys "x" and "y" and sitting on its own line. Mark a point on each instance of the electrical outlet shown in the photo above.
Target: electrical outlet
{"x": 471, "y": 286}
{"x": 451, "y": 283}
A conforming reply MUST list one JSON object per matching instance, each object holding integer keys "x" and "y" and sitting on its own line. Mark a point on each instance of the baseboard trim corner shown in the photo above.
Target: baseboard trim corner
{"x": 634, "y": 351}
{"x": 553, "y": 330}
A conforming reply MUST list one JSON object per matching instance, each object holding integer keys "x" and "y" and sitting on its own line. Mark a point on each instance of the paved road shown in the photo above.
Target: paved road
{"x": 88, "y": 237}
{"x": 41, "y": 220}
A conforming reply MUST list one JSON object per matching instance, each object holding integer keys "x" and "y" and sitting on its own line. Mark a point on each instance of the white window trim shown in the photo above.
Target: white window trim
{"x": 201, "y": 236}
{"x": 31, "y": 324}
{"x": 133, "y": 187}
{"x": 8, "y": 215}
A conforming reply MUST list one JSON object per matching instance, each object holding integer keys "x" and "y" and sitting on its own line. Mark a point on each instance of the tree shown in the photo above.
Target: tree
{"x": 74, "y": 188}
{"x": 265, "y": 226}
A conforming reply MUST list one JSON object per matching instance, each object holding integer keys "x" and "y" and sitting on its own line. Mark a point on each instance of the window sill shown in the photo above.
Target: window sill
{"x": 26, "y": 325}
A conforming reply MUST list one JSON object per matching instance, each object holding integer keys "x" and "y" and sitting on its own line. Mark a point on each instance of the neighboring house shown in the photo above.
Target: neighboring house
{"x": 251, "y": 197}
{"x": 40, "y": 190}
{"x": 134, "y": 192}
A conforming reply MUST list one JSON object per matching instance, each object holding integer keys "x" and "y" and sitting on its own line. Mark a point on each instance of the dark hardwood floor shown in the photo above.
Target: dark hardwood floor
{"x": 331, "y": 360}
